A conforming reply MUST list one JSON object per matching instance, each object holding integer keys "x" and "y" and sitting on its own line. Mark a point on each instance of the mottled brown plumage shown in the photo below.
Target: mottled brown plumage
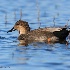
{"x": 39, "y": 35}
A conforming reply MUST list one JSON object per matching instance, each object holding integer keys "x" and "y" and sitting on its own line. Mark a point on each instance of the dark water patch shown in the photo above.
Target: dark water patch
{"x": 61, "y": 69}
{"x": 18, "y": 64}
{"x": 68, "y": 66}
{"x": 18, "y": 50}
{"x": 38, "y": 49}
{"x": 2, "y": 37}
{"x": 21, "y": 49}
{"x": 33, "y": 23}
{"x": 3, "y": 30}
{"x": 45, "y": 14}
{"x": 15, "y": 10}
{"x": 1, "y": 63}
{"x": 48, "y": 49}
{"x": 4, "y": 67}
{"x": 3, "y": 11}
{"x": 14, "y": 65}
{"x": 67, "y": 54}
{"x": 53, "y": 64}
{"x": 25, "y": 14}
{"x": 13, "y": 37}
{"x": 33, "y": 48}
{"x": 6, "y": 47}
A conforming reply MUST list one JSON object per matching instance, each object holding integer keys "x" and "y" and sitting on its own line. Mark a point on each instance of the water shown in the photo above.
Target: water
{"x": 36, "y": 56}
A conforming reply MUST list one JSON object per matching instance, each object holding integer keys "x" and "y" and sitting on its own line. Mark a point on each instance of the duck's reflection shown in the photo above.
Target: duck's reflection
{"x": 27, "y": 42}
{"x": 20, "y": 56}
{"x": 22, "y": 43}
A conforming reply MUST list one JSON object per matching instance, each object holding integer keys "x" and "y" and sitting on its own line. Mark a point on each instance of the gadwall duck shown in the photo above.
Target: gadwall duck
{"x": 39, "y": 35}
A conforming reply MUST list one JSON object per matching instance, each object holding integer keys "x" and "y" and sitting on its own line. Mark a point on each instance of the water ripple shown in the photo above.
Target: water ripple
{"x": 35, "y": 56}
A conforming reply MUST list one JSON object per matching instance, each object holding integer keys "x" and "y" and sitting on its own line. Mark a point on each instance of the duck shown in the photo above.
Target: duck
{"x": 47, "y": 35}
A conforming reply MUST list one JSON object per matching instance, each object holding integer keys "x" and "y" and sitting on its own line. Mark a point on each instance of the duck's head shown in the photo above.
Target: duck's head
{"x": 21, "y": 26}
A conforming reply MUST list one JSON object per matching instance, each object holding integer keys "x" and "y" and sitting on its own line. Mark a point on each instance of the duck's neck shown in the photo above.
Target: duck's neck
{"x": 23, "y": 31}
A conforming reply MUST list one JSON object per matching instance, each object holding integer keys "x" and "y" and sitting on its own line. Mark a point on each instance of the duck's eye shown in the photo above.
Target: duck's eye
{"x": 17, "y": 24}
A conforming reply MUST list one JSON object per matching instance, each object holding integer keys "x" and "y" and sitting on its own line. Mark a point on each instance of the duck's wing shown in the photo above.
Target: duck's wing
{"x": 50, "y": 29}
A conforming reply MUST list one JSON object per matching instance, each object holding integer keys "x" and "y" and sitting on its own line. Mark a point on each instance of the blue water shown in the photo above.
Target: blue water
{"x": 36, "y": 56}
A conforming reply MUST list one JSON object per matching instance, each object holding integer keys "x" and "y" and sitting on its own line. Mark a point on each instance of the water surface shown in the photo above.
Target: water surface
{"x": 36, "y": 56}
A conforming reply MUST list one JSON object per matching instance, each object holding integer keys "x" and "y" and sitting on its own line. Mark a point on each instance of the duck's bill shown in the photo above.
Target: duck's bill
{"x": 11, "y": 30}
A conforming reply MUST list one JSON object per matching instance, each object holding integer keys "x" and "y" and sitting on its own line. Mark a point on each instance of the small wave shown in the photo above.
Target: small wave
{"x": 2, "y": 37}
